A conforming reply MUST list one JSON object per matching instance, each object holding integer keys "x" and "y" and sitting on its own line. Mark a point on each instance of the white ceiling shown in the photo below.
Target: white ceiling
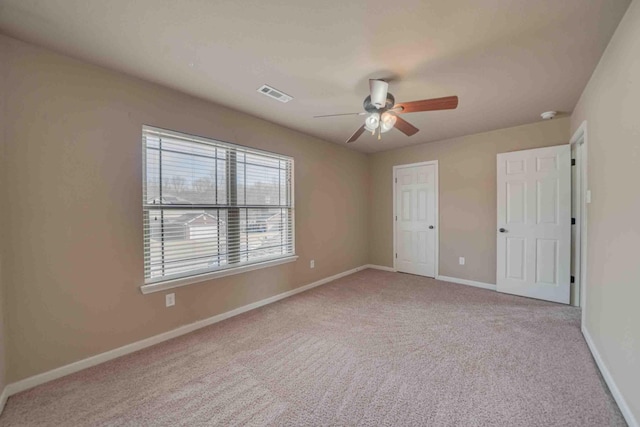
{"x": 508, "y": 61}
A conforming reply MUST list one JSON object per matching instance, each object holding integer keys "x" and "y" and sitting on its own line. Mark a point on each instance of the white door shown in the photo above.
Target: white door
{"x": 534, "y": 223}
{"x": 416, "y": 219}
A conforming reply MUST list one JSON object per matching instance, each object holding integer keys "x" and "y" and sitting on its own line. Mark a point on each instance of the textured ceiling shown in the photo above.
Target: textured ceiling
{"x": 508, "y": 61}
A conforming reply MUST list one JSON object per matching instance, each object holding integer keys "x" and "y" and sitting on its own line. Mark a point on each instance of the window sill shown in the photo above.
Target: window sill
{"x": 184, "y": 281}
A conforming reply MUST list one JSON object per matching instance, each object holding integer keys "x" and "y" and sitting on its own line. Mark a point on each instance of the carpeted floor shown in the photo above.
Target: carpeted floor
{"x": 373, "y": 348}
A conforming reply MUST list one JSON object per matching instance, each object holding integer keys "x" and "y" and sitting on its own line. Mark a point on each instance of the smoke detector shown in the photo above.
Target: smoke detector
{"x": 274, "y": 93}
{"x": 548, "y": 115}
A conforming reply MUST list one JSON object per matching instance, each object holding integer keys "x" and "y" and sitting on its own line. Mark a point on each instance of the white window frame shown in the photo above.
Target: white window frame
{"x": 158, "y": 285}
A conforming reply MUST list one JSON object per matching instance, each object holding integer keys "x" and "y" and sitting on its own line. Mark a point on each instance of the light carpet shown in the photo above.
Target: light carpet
{"x": 373, "y": 348}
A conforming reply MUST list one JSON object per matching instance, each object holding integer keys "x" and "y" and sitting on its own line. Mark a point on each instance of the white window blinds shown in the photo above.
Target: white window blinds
{"x": 210, "y": 205}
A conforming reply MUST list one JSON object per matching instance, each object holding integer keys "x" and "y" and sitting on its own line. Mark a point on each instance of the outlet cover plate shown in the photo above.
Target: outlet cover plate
{"x": 170, "y": 300}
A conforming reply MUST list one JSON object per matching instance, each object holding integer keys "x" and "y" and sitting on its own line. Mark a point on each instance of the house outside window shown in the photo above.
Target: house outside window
{"x": 212, "y": 207}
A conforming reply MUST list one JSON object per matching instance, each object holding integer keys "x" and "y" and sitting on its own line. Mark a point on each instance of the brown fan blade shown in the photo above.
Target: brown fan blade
{"x": 356, "y": 134}
{"x": 343, "y": 114}
{"x": 405, "y": 127}
{"x": 446, "y": 103}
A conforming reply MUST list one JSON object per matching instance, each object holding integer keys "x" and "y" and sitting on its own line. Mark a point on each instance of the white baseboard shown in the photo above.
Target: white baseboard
{"x": 467, "y": 282}
{"x": 71, "y": 368}
{"x": 380, "y": 267}
{"x": 3, "y": 398}
{"x": 615, "y": 391}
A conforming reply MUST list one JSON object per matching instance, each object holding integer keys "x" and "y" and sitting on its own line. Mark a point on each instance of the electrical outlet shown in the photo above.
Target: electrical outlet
{"x": 170, "y": 300}
{"x": 312, "y": 264}
{"x": 461, "y": 260}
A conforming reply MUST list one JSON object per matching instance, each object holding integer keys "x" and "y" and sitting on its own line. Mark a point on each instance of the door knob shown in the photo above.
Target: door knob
{"x": 431, "y": 227}
{"x": 502, "y": 230}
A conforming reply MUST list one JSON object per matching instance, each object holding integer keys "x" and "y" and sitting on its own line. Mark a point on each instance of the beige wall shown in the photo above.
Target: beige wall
{"x": 3, "y": 69}
{"x": 3, "y": 349}
{"x": 611, "y": 106}
{"x": 74, "y": 253}
{"x": 467, "y": 181}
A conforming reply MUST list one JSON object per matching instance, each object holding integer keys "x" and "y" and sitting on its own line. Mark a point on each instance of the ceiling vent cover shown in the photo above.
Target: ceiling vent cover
{"x": 274, "y": 93}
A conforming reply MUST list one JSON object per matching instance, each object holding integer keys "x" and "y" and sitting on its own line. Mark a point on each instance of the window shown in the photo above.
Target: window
{"x": 211, "y": 206}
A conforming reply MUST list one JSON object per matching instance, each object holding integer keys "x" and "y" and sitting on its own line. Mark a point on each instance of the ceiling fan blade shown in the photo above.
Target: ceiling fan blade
{"x": 344, "y": 114}
{"x": 405, "y": 127}
{"x": 378, "y": 90}
{"x": 356, "y": 134}
{"x": 446, "y": 103}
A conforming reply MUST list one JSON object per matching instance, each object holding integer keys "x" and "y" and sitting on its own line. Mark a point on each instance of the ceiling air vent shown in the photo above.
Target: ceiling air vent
{"x": 274, "y": 93}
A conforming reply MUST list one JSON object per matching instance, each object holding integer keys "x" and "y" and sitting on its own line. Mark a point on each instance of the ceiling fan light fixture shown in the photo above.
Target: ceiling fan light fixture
{"x": 387, "y": 121}
{"x": 372, "y": 122}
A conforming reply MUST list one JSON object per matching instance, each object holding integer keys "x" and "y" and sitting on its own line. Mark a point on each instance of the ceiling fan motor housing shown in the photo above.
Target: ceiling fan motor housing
{"x": 370, "y": 108}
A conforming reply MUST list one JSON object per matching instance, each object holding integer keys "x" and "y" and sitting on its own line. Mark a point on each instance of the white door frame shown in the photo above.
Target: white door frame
{"x": 437, "y": 215}
{"x": 579, "y": 139}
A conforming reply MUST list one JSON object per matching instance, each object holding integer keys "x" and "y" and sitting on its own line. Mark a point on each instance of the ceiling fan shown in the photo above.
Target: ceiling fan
{"x": 382, "y": 111}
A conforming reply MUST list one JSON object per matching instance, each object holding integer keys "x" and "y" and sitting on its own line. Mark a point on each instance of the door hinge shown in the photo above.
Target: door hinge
{"x": 396, "y": 180}
{"x": 573, "y": 162}
{"x": 573, "y": 279}
{"x": 573, "y": 221}
{"x": 396, "y": 217}
{"x": 396, "y": 255}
